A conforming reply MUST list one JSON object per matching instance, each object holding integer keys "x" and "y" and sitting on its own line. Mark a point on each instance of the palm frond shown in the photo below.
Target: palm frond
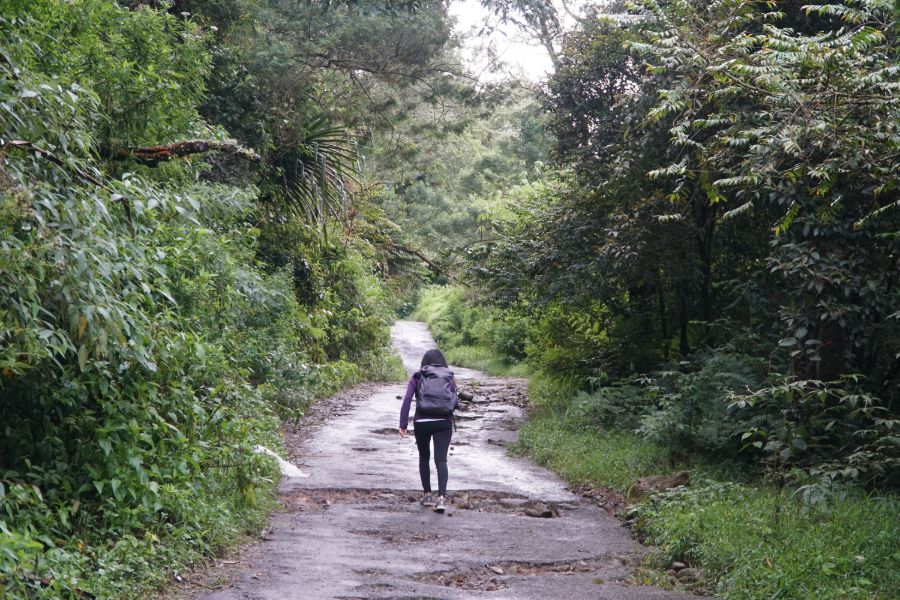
{"x": 315, "y": 173}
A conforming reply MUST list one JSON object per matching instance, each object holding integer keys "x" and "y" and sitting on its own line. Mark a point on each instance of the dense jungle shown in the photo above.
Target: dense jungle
{"x": 685, "y": 235}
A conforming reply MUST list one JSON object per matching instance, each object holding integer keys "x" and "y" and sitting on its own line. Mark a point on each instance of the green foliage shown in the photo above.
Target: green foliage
{"x": 691, "y": 411}
{"x": 472, "y": 336}
{"x": 446, "y": 172}
{"x": 722, "y": 199}
{"x": 311, "y": 176}
{"x": 750, "y": 541}
{"x": 755, "y": 544}
{"x": 563, "y": 435}
{"x": 617, "y": 406}
{"x": 146, "y": 67}
{"x": 835, "y": 429}
{"x": 144, "y": 347}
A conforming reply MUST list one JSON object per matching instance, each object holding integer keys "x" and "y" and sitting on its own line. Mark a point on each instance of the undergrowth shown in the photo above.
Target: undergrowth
{"x": 754, "y": 542}
{"x": 584, "y": 457}
{"x": 472, "y": 336}
{"x": 750, "y": 539}
{"x": 149, "y": 336}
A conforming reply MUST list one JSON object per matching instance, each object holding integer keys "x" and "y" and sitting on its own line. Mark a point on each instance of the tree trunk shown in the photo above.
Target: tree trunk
{"x": 663, "y": 324}
{"x": 684, "y": 348}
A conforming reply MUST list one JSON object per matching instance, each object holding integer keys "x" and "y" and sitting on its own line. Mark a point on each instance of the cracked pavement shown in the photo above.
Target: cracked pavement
{"x": 354, "y": 528}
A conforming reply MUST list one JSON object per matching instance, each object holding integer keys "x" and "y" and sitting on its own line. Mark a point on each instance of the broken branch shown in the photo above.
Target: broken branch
{"x": 156, "y": 154}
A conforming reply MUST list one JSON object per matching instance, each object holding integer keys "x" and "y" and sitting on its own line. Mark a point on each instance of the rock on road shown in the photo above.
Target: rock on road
{"x": 354, "y": 528}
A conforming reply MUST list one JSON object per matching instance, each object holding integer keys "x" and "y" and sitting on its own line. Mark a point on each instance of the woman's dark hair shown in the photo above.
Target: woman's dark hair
{"x": 434, "y": 357}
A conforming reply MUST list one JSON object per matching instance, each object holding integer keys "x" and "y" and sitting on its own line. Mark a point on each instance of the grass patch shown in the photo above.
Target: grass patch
{"x": 486, "y": 360}
{"x": 386, "y": 366}
{"x": 578, "y": 453}
{"x": 756, "y": 543}
{"x": 750, "y": 541}
{"x": 435, "y": 303}
{"x": 581, "y": 457}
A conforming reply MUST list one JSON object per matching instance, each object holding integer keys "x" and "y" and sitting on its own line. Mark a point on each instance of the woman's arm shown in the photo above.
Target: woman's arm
{"x": 407, "y": 401}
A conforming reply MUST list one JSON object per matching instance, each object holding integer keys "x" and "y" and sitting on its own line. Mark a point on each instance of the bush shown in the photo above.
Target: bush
{"x": 577, "y": 449}
{"x": 584, "y": 457}
{"x": 751, "y": 542}
{"x": 617, "y": 406}
{"x": 691, "y": 411}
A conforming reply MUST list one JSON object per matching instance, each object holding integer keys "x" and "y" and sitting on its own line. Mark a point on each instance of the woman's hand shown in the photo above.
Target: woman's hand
{"x": 402, "y": 432}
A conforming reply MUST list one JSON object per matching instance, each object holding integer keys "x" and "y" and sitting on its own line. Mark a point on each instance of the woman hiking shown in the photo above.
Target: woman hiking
{"x": 436, "y": 399}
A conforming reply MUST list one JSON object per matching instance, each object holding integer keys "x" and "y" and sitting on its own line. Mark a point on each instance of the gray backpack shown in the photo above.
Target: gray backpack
{"x": 434, "y": 394}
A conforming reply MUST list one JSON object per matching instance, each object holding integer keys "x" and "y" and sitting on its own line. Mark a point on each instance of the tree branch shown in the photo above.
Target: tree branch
{"x": 417, "y": 253}
{"x": 154, "y": 155}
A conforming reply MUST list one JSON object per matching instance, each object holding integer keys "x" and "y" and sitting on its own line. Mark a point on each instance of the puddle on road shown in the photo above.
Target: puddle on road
{"x": 399, "y": 537}
{"x": 320, "y": 499}
{"x": 378, "y": 586}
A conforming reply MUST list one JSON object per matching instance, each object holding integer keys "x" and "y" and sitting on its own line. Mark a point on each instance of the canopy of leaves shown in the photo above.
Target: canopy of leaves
{"x": 727, "y": 180}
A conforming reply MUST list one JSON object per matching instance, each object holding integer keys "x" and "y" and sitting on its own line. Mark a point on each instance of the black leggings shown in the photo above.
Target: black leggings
{"x": 442, "y": 431}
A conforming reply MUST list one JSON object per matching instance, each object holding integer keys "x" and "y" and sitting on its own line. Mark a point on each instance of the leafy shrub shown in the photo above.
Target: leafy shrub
{"x": 834, "y": 429}
{"x": 473, "y": 336}
{"x": 618, "y": 406}
{"x": 691, "y": 411}
{"x": 583, "y": 455}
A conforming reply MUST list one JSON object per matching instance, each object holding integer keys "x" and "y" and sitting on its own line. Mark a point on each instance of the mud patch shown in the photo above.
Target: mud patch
{"x": 371, "y": 572}
{"x": 321, "y": 498}
{"x": 375, "y": 586}
{"x": 498, "y": 390}
{"x": 499, "y": 502}
{"x": 613, "y": 502}
{"x": 508, "y": 424}
{"x": 491, "y": 577}
{"x": 394, "y": 537}
{"x": 386, "y": 431}
{"x": 311, "y": 500}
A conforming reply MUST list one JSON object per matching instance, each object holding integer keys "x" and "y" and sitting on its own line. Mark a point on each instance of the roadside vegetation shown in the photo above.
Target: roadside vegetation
{"x": 752, "y": 536}
{"x": 706, "y": 280}
{"x": 471, "y": 336}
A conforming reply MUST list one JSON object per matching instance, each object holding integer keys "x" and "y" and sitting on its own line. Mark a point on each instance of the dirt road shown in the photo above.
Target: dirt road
{"x": 354, "y": 529}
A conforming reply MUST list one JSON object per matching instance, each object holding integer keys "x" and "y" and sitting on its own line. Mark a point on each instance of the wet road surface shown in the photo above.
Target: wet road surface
{"x": 354, "y": 528}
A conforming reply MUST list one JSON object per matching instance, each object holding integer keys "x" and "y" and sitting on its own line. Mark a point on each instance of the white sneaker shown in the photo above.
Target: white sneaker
{"x": 427, "y": 500}
{"x": 441, "y": 504}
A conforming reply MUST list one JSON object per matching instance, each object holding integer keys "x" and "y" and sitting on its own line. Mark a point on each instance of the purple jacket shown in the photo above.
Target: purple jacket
{"x": 407, "y": 399}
